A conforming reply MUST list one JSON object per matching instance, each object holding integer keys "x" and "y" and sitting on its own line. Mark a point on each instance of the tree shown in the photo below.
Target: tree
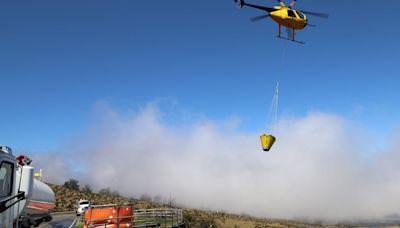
{"x": 132, "y": 199}
{"x": 115, "y": 193}
{"x": 158, "y": 199}
{"x": 87, "y": 189}
{"x": 145, "y": 197}
{"x": 72, "y": 184}
{"x": 105, "y": 191}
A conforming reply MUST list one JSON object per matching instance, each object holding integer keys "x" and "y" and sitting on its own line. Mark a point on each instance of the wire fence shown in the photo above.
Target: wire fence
{"x": 158, "y": 217}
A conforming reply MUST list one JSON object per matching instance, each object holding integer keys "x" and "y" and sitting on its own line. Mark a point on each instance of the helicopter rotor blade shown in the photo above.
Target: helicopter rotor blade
{"x": 257, "y": 18}
{"x": 282, "y": 3}
{"x": 292, "y": 4}
{"x": 239, "y": 4}
{"x": 316, "y": 14}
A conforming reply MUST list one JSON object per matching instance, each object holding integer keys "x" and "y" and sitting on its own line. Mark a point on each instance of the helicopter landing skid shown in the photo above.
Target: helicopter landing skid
{"x": 291, "y": 33}
{"x": 296, "y": 41}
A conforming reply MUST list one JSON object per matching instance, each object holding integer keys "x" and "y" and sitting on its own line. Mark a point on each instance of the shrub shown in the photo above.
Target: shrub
{"x": 105, "y": 191}
{"x": 87, "y": 189}
{"x": 72, "y": 184}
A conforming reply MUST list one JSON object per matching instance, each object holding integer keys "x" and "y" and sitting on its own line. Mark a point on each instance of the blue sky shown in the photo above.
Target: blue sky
{"x": 58, "y": 58}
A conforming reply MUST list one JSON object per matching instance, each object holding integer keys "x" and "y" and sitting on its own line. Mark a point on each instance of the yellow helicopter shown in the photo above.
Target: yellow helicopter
{"x": 285, "y": 16}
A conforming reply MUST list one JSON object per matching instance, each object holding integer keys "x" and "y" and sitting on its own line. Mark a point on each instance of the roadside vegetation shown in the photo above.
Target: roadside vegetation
{"x": 68, "y": 195}
{"x": 66, "y": 198}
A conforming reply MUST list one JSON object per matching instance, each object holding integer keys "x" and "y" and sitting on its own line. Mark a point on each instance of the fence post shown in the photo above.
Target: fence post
{"x": 117, "y": 208}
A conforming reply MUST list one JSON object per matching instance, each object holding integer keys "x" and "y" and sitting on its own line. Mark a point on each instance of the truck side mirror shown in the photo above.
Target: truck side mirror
{"x": 3, "y": 204}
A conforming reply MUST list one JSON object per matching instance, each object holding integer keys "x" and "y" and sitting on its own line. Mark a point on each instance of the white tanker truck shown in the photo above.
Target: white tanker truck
{"x": 39, "y": 206}
{"x": 16, "y": 184}
{"x": 22, "y": 198}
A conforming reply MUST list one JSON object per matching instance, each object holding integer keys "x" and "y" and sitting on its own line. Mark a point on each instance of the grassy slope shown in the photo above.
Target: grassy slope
{"x": 66, "y": 200}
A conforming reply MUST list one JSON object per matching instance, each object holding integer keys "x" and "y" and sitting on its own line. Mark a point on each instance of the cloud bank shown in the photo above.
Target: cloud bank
{"x": 321, "y": 167}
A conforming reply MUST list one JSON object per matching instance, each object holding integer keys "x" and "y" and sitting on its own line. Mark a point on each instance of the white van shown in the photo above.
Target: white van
{"x": 82, "y": 206}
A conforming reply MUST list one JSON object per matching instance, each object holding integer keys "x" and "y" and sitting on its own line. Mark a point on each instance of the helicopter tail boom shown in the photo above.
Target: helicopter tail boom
{"x": 242, "y": 3}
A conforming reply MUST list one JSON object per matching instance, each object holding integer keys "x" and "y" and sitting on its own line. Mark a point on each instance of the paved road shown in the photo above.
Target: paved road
{"x": 59, "y": 221}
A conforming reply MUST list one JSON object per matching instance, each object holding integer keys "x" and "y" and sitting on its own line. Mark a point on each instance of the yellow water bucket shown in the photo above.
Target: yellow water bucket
{"x": 267, "y": 141}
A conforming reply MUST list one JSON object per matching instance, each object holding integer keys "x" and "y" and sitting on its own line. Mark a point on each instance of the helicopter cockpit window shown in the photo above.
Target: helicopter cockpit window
{"x": 291, "y": 13}
{"x": 301, "y": 15}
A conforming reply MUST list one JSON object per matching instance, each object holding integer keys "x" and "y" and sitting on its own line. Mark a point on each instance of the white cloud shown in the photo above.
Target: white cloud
{"x": 321, "y": 167}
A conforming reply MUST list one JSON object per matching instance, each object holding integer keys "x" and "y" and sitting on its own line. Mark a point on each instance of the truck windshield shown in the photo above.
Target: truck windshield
{"x": 84, "y": 202}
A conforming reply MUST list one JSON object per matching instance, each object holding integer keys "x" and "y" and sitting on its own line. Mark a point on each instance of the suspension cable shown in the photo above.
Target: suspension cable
{"x": 273, "y": 109}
